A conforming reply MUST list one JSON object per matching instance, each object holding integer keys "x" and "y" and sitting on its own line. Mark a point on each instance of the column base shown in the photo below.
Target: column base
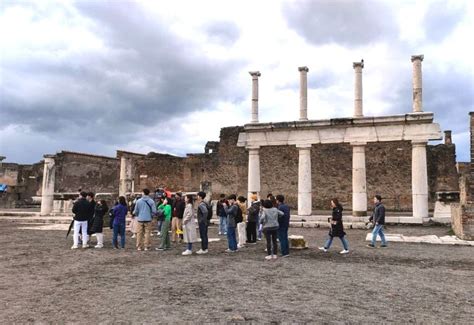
{"x": 359, "y": 213}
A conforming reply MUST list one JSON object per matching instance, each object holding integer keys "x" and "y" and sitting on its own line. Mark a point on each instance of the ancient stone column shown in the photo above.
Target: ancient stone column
{"x": 304, "y": 181}
{"x": 126, "y": 176}
{"x": 419, "y": 180}
{"x": 254, "y": 171}
{"x": 47, "y": 191}
{"x": 358, "y": 109}
{"x": 303, "y": 93}
{"x": 255, "y": 75}
{"x": 359, "y": 183}
{"x": 417, "y": 83}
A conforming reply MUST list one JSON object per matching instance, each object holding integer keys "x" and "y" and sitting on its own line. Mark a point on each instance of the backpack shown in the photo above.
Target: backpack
{"x": 253, "y": 211}
{"x": 209, "y": 211}
{"x": 238, "y": 217}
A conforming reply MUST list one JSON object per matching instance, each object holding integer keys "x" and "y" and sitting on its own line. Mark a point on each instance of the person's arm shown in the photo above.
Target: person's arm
{"x": 188, "y": 213}
{"x": 378, "y": 211}
{"x": 203, "y": 209}
{"x": 168, "y": 211}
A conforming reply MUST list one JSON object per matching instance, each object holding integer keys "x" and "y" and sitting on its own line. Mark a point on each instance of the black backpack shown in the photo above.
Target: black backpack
{"x": 253, "y": 211}
{"x": 209, "y": 211}
{"x": 238, "y": 217}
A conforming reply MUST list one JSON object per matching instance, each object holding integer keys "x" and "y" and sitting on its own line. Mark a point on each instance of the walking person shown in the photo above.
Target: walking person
{"x": 283, "y": 225}
{"x": 101, "y": 209}
{"x": 144, "y": 211}
{"x": 203, "y": 222}
{"x": 222, "y": 215}
{"x": 165, "y": 226}
{"x": 378, "y": 219}
{"x": 189, "y": 225}
{"x": 337, "y": 228}
{"x": 177, "y": 221}
{"x": 269, "y": 221}
{"x": 120, "y": 213}
{"x": 241, "y": 227}
{"x": 231, "y": 209}
{"x": 133, "y": 220}
{"x": 253, "y": 213}
{"x": 81, "y": 210}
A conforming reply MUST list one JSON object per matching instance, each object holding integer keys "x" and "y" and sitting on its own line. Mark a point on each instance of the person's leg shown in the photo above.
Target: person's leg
{"x": 85, "y": 236}
{"x": 75, "y": 235}
{"x": 100, "y": 240}
{"x": 268, "y": 237}
{"x": 190, "y": 246}
{"x": 180, "y": 227}
{"x": 274, "y": 242}
{"x": 174, "y": 224}
{"x": 253, "y": 232}
{"x": 345, "y": 243}
{"x": 201, "y": 234}
{"x": 375, "y": 231}
{"x": 228, "y": 238}
{"x": 122, "y": 235}
{"x": 147, "y": 234}
{"x": 205, "y": 243}
{"x": 115, "y": 235}
{"x": 164, "y": 232}
{"x": 328, "y": 242}
{"x": 221, "y": 225}
{"x": 260, "y": 231}
{"x": 140, "y": 234}
{"x": 382, "y": 236}
{"x": 167, "y": 235}
{"x": 232, "y": 238}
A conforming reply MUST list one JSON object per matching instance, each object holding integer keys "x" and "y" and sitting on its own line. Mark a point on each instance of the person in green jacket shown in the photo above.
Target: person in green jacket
{"x": 165, "y": 236}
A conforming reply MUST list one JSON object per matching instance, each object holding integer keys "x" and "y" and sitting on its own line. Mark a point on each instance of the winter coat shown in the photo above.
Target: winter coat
{"x": 81, "y": 210}
{"x": 120, "y": 214}
{"x": 189, "y": 225}
{"x": 179, "y": 208}
{"x": 231, "y": 212}
{"x": 253, "y": 212}
{"x": 284, "y": 221}
{"x": 269, "y": 219}
{"x": 378, "y": 216}
{"x": 202, "y": 213}
{"x": 98, "y": 220}
{"x": 337, "y": 228}
{"x": 145, "y": 209}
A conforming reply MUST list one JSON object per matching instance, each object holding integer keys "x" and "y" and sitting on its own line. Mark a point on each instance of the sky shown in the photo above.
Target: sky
{"x": 165, "y": 76}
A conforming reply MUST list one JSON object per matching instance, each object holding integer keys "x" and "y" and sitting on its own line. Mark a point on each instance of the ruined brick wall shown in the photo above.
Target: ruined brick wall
{"x": 88, "y": 172}
{"x": 470, "y": 183}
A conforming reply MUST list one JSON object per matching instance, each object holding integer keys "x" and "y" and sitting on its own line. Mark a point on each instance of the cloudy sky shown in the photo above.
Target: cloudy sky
{"x": 97, "y": 76}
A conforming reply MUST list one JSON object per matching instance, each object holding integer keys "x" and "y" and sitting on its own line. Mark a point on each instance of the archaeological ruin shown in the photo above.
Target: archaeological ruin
{"x": 310, "y": 161}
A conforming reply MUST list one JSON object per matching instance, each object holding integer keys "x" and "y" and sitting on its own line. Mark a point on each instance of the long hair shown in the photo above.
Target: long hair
{"x": 122, "y": 200}
{"x": 190, "y": 198}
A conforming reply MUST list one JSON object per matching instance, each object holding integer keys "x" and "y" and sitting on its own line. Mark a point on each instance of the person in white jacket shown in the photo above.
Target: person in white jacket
{"x": 189, "y": 225}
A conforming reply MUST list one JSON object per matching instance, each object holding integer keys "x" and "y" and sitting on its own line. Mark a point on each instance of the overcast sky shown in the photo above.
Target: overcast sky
{"x": 165, "y": 76}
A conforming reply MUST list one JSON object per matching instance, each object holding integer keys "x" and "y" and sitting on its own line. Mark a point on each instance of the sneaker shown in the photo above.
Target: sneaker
{"x": 201, "y": 252}
{"x": 240, "y": 246}
{"x": 151, "y": 235}
{"x": 228, "y": 250}
{"x": 287, "y": 255}
{"x": 74, "y": 247}
{"x": 324, "y": 249}
{"x": 134, "y": 236}
{"x": 274, "y": 257}
{"x": 225, "y": 233}
{"x": 147, "y": 249}
{"x": 259, "y": 238}
{"x": 344, "y": 251}
{"x": 98, "y": 246}
{"x": 268, "y": 257}
{"x": 159, "y": 249}
{"x": 85, "y": 246}
{"x": 187, "y": 252}
{"x": 220, "y": 233}
{"x": 139, "y": 249}
{"x": 370, "y": 246}
{"x": 383, "y": 246}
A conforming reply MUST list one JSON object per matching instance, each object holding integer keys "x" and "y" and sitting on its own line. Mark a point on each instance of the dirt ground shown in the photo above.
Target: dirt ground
{"x": 43, "y": 281}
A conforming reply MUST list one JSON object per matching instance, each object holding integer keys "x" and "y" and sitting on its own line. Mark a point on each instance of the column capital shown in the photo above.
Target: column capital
{"x": 417, "y": 57}
{"x": 303, "y": 146}
{"x": 358, "y": 64}
{"x": 253, "y": 148}
{"x": 301, "y": 69}
{"x": 419, "y": 143}
{"x": 255, "y": 74}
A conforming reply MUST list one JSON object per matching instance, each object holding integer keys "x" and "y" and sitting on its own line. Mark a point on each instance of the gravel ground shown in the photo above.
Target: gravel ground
{"x": 43, "y": 281}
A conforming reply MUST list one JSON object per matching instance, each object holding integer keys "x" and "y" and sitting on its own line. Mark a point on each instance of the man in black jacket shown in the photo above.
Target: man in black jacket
{"x": 378, "y": 218}
{"x": 177, "y": 221}
{"x": 81, "y": 210}
{"x": 203, "y": 222}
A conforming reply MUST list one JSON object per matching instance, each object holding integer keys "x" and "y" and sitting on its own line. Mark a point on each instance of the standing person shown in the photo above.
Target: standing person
{"x": 144, "y": 211}
{"x": 253, "y": 213}
{"x": 283, "y": 225}
{"x": 91, "y": 211}
{"x": 203, "y": 223}
{"x": 231, "y": 209}
{"x": 189, "y": 225}
{"x": 260, "y": 227}
{"x": 269, "y": 221}
{"x": 177, "y": 221}
{"x": 222, "y": 215}
{"x": 133, "y": 221}
{"x": 378, "y": 218}
{"x": 337, "y": 228}
{"x": 165, "y": 227}
{"x": 101, "y": 209}
{"x": 241, "y": 229}
{"x": 120, "y": 213}
{"x": 160, "y": 216}
{"x": 81, "y": 210}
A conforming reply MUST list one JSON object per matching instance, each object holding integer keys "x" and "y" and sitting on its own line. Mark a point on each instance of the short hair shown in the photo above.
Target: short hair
{"x": 378, "y": 197}
{"x": 269, "y": 194}
{"x": 232, "y": 197}
{"x": 91, "y": 194}
{"x": 83, "y": 194}
{"x": 190, "y": 198}
{"x": 146, "y": 191}
{"x": 122, "y": 200}
{"x": 280, "y": 198}
{"x": 267, "y": 204}
{"x": 241, "y": 199}
{"x": 179, "y": 194}
{"x": 202, "y": 195}
{"x": 222, "y": 196}
{"x": 335, "y": 200}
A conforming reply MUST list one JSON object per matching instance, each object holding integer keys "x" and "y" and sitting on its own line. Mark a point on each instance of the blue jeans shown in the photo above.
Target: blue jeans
{"x": 378, "y": 229}
{"x": 203, "y": 235}
{"x": 190, "y": 246}
{"x": 223, "y": 224}
{"x": 231, "y": 238}
{"x": 119, "y": 229}
{"x": 260, "y": 229}
{"x": 344, "y": 241}
{"x": 283, "y": 238}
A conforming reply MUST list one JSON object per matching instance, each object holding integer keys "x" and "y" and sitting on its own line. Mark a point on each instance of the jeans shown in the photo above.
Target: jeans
{"x": 119, "y": 229}
{"x": 190, "y": 246}
{"x": 260, "y": 229}
{"x": 203, "y": 235}
{"x": 251, "y": 232}
{"x": 232, "y": 241}
{"x": 343, "y": 239}
{"x": 283, "y": 238}
{"x": 272, "y": 246}
{"x": 378, "y": 229}
{"x": 223, "y": 224}
{"x": 165, "y": 235}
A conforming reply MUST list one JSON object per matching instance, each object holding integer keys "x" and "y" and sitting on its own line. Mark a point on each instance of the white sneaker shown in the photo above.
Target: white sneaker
{"x": 98, "y": 246}
{"x": 133, "y": 236}
{"x": 240, "y": 246}
{"x": 268, "y": 257}
{"x": 274, "y": 257}
{"x": 322, "y": 249}
{"x": 74, "y": 247}
{"x": 345, "y": 251}
{"x": 85, "y": 246}
{"x": 187, "y": 252}
{"x": 201, "y": 252}
{"x": 220, "y": 233}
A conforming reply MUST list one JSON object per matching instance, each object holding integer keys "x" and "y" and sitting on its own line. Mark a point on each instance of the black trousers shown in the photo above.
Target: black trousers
{"x": 251, "y": 232}
{"x": 271, "y": 236}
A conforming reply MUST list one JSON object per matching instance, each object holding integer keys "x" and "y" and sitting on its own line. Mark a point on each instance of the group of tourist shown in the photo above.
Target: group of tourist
{"x": 243, "y": 223}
